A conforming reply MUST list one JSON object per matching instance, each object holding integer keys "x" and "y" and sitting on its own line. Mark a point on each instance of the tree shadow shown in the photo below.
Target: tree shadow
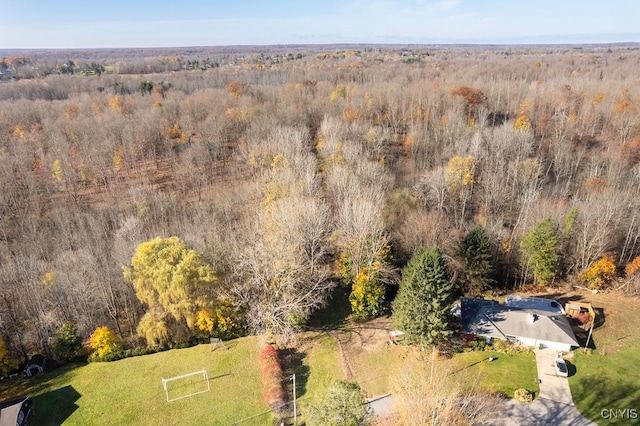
{"x": 53, "y": 408}
{"x": 292, "y": 363}
{"x": 291, "y": 360}
{"x": 334, "y": 315}
{"x": 593, "y": 394}
{"x": 11, "y": 388}
{"x": 488, "y": 359}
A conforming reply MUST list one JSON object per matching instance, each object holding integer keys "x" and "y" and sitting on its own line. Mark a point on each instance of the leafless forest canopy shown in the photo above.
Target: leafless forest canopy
{"x": 275, "y": 162}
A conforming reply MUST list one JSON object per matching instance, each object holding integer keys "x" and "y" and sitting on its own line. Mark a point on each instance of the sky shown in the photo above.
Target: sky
{"x": 174, "y": 23}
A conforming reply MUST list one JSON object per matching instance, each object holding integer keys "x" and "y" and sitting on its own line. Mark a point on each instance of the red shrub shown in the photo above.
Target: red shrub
{"x": 272, "y": 376}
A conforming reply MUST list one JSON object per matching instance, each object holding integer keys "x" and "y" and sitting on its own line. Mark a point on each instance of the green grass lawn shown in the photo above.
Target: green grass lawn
{"x": 503, "y": 375}
{"x": 322, "y": 364}
{"x": 606, "y": 382}
{"x": 130, "y": 391}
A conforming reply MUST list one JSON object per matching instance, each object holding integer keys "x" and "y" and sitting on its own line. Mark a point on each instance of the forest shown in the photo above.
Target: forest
{"x": 196, "y": 192}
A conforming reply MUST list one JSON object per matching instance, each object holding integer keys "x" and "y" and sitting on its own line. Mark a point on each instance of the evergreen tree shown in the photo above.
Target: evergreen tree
{"x": 475, "y": 251}
{"x": 539, "y": 250}
{"x": 422, "y": 306}
{"x": 67, "y": 341}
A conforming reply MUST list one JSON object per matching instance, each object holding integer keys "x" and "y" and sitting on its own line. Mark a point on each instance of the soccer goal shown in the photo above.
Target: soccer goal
{"x": 186, "y": 385}
{"x": 217, "y": 343}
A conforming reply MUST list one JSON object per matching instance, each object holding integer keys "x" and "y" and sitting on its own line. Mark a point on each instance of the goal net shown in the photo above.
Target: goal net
{"x": 186, "y": 385}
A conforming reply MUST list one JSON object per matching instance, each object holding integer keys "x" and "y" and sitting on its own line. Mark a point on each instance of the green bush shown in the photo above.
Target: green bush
{"x": 479, "y": 344}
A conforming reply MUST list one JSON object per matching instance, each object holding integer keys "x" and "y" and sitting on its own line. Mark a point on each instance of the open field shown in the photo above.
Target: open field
{"x": 130, "y": 391}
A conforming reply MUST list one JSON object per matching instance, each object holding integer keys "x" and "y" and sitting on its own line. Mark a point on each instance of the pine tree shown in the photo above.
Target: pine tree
{"x": 475, "y": 251}
{"x": 67, "y": 341}
{"x": 421, "y": 308}
{"x": 539, "y": 250}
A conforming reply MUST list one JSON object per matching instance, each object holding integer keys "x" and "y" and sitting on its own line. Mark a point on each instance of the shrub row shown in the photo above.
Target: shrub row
{"x": 139, "y": 351}
{"x": 272, "y": 377}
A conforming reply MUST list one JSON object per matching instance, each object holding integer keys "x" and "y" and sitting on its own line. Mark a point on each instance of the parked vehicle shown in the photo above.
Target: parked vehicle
{"x": 560, "y": 366}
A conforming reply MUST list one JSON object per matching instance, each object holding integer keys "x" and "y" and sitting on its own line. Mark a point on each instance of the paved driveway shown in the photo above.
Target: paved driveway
{"x": 553, "y": 407}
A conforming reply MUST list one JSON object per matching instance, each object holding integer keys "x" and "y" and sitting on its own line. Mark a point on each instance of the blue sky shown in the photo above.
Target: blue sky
{"x": 160, "y": 23}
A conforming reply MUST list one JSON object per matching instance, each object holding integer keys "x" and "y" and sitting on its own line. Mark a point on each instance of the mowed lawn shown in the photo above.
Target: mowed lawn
{"x": 607, "y": 382}
{"x": 379, "y": 368}
{"x": 608, "y": 376}
{"x": 130, "y": 391}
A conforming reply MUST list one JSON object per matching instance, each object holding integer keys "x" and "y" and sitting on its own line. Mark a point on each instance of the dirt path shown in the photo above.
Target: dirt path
{"x": 359, "y": 337}
{"x": 345, "y": 359}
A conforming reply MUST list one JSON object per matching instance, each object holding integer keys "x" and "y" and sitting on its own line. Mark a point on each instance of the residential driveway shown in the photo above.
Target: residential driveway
{"x": 553, "y": 407}
{"x": 381, "y": 405}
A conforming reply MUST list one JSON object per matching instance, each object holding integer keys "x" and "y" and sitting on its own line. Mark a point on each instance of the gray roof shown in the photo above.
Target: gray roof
{"x": 9, "y": 411}
{"x": 488, "y": 318}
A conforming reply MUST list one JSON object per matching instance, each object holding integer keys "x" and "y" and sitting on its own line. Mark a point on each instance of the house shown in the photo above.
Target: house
{"x": 15, "y": 412}
{"x": 532, "y": 322}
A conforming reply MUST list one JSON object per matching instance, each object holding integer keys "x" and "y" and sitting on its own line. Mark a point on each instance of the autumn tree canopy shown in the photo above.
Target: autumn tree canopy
{"x": 174, "y": 282}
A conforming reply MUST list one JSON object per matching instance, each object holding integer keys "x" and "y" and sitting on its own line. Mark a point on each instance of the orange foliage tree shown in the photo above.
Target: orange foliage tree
{"x": 474, "y": 98}
{"x": 600, "y": 273}
{"x": 632, "y": 267}
{"x": 236, "y": 88}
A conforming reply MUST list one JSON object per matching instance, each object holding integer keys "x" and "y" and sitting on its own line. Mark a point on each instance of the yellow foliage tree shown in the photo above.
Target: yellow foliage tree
{"x": 118, "y": 158}
{"x": 57, "y": 171}
{"x": 7, "y": 363}
{"x": 460, "y": 172}
{"x": 600, "y": 273}
{"x": 217, "y": 321}
{"x": 339, "y": 92}
{"x": 103, "y": 342}
{"x": 367, "y": 295}
{"x": 19, "y": 132}
{"x": 116, "y": 104}
{"x": 364, "y": 275}
{"x": 523, "y": 123}
{"x": 170, "y": 278}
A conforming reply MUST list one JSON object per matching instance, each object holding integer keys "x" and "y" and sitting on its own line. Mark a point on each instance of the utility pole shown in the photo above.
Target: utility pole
{"x": 295, "y": 411}
{"x": 586, "y": 345}
{"x": 433, "y": 359}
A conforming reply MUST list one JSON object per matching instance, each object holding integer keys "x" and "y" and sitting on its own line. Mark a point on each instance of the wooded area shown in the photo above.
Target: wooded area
{"x": 288, "y": 173}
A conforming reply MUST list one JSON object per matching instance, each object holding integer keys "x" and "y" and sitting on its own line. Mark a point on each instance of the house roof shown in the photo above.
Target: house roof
{"x": 488, "y": 318}
{"x": 9, "y": 411}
